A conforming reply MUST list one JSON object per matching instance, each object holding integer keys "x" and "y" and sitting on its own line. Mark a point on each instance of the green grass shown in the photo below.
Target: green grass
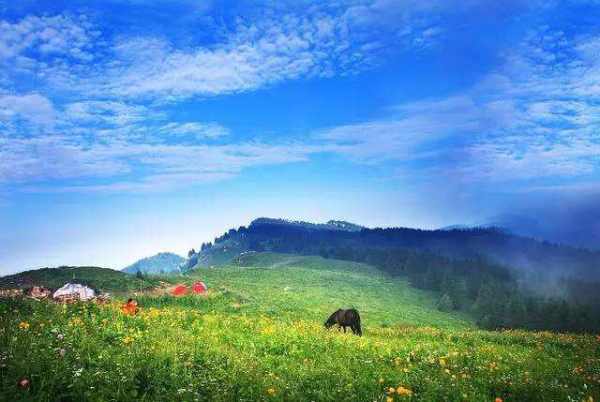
{"x": 258, "y": 335}
{"x": 289, "y": 287}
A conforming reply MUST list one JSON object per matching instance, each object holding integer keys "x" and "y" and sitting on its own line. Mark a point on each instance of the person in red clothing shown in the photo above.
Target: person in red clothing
{"x": 130, "y": 308}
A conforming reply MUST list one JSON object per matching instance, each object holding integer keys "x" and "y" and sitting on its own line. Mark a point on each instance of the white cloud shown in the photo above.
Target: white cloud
{"x": 31, "y": 108}
{"x": 125, "y": 163}
{"x": 105, "y": 112}
{"x": 195, "y": 129}
{"x": 46, "y": 36}
{"x": 410, "y": 134}
{"x": 45, "y": 46}
{"x": 537, "y": 116}
{"x": 256, "y": 54}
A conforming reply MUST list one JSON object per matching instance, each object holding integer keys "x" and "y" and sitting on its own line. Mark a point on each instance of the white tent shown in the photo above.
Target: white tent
{"x": 75, "y": 290}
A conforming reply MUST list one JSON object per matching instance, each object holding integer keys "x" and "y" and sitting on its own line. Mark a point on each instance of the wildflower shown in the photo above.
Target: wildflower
{"x": 271, "y": 391}
{"x": 62, "y": 352}
{"x": 381, "y": 380}
{"x": 24, "y": 325}
{"x": 389, "y": 399}
{"x": 24, "y": 383}
{"x": 404, "y": 391}
{"x": 498, "y": 400}
{"x": 391, "y": 390}
{"x": 127, "y": 340}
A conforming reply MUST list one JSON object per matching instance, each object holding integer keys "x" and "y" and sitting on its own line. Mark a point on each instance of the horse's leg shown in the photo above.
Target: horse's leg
{"x": 344, "y": 329}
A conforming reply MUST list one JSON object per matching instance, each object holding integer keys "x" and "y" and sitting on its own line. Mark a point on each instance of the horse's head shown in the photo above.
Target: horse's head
{"x": 331, "y": 321}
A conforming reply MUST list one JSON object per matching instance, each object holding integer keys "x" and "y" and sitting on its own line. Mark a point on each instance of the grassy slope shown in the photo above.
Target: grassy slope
{"x": 251, "y": 339}
{"x": 290, "y": 286}
{"x": 103, "y": 279}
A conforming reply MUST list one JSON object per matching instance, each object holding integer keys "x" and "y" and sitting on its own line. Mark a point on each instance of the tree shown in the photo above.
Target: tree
{"x": 139, "y": 275}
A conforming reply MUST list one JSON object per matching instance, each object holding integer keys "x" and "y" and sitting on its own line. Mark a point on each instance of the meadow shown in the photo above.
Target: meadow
{"x": 258, "y": 335}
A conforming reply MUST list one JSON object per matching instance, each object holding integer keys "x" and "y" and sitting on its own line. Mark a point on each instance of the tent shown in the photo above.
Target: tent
{"x": 199, "y": 288}
{"x": 179, "y": 290}
{"x": 74, "y": 290}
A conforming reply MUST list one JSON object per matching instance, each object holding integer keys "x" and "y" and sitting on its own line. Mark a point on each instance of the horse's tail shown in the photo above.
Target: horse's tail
{"x": 357, "y": 321}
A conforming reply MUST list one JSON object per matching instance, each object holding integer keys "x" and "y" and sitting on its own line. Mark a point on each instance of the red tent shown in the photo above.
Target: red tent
{"x": 199, "y": 288}
{"x": 179, "y": 290}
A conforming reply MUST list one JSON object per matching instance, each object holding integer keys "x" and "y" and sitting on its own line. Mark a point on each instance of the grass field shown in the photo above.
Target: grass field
{"x": 258, "y": 335}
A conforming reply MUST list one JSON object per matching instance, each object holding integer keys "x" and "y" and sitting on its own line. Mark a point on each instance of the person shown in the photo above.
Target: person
{"x": 130, "y": 308}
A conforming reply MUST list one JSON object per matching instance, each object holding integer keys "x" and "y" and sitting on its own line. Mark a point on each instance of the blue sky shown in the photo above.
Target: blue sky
{"x": 129, "y": 127}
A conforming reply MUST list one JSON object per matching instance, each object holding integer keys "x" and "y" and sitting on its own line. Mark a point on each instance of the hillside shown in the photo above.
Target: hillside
{"x": 161, "y": 263}
{"x": 291, "y": 286}
{"x": 506, "y": 281}
{"x": 259, "y": 335}
{"x": 101, "y": 279}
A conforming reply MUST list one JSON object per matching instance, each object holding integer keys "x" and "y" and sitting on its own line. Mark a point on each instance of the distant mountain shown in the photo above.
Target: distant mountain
{"x": 228, "y": 246}
{"x": 330, "y": 225}
{"x": 100, "y": 279}
{"x": 161, "y": 263}
{"x": 526, "y": 256}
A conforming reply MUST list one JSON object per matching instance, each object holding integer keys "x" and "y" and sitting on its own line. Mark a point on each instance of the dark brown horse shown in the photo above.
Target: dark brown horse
{"x": 345, "y": 318}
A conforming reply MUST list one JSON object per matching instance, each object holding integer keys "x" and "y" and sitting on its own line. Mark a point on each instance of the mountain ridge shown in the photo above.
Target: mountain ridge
{"x": 527, "y": 255}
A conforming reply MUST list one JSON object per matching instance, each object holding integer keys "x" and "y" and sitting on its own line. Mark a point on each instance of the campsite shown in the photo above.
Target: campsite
{"x": 258, "y": 334}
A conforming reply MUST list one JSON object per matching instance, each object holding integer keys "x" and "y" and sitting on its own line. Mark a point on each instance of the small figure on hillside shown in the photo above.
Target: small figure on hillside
{"x": 130, "y": 308}
{"x": 345, "y": 318}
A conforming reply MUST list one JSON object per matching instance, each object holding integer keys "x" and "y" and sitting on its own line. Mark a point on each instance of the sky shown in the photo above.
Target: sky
{"x": 131, "y": 127}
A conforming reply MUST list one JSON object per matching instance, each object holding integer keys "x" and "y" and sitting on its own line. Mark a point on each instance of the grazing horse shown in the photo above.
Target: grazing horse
{"x": 345, "y": 318}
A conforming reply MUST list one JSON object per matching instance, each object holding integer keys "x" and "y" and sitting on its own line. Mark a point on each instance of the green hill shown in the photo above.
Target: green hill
{"x": 101, "y": 279}
{"x": 311, "y": 287}
{"x": 290, "y": 287}
{"x": 159, "y": 264}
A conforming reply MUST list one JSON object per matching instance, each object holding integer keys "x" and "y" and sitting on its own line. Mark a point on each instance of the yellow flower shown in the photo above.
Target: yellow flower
{"x": 391, "y": 390}
{"x": 271, "y": 391}
{"x": 381, "y": 380}
{"x": 389, "y": 399}
{"x": 24, "y": 325}
{"x": 127, "y": 340}
{"x": 404, "y": 391}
